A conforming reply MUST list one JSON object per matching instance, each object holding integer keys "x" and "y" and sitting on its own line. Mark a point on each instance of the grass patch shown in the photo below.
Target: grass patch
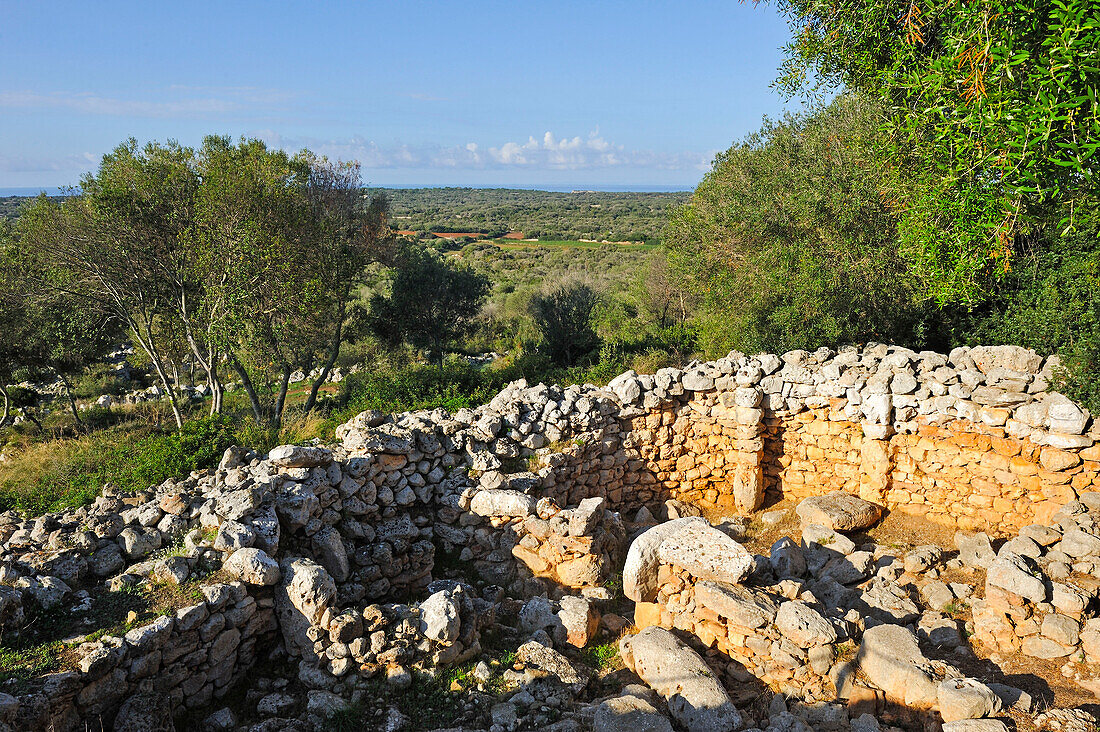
{"x": 604, "y": 656}
{"x": 52, "y": 476}
{"x": 19, "y": 665}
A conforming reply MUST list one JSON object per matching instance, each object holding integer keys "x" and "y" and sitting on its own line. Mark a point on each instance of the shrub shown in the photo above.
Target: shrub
{"x": 789, "y": 243}
{"x": 203, "y": 441}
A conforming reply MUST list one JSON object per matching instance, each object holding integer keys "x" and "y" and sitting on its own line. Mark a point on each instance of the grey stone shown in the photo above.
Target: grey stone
{"x": 706, "y": 553}
{"x": 1017, "y": 574}
{"x": 253, "y": 566}
{"x": 629, "y": 714}
{"x": 744, "y": 607}
{"x": 695, "y": 697}
{"x": 966, "y": 699}
{"x": 640, "y": 569}
{"x": 890, "y": 658}
{"x": 839, "y": 511}
{"x": 975, "y": 549}
{"x": 439, "y": 618}
{"x": 804, "y": 626}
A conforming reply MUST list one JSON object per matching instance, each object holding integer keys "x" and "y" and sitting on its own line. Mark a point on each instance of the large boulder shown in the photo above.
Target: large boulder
{"x": 744, "y": 607}
{"x": 640, "y": 570}
{"x": 839, "y": 511}
{"x": 966, "y": 699}
{"x": 1019, "y": 575}
{"x": 891, "y": 660}
{"x": 706, "y": 553}
{"x": 439, "y": 618}
{"x": 695, "y": 697}
{"x": 802, "y": 625}
{"x": 303, "y": 596}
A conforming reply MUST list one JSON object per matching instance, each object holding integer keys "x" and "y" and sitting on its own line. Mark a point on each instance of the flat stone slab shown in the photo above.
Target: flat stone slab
{"x": 696, "y": 698}
{"x": 891, "y": 659}
{"x": 839, "y": 511}
{"x": 706, "y": 553}
{"x": 740, "y": 605}
{"x": 640, "y": 569}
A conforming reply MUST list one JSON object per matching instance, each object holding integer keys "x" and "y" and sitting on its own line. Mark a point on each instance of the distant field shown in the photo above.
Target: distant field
{"x": 567, "y": 243}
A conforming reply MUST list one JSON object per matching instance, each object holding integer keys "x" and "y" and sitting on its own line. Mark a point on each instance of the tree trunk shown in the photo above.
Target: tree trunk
{"x": 161, "y": 373}
{"x": 280, "y": 401}
{"x": 333, "y": 353}
{"x": 253, "y": 398}
{"x": 72, "y": 400}
{"x": 7, "y": 406}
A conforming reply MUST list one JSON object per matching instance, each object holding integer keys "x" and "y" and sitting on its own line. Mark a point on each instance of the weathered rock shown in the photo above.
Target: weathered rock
{"x": 439, "y": 618}
{"x": 743, "y": 607}
{"x": 305, "y": 593}
{"x": 629, "y": 714}
{"x": 975, "y": 549}
{"x": 706, "y": 553}
{"x": 546, "y": 659}
{"x": 640, "y": 570}
{"x": 297, "y": 456}
{"x": 145, "y": 712}
{"x": 695, "y": 697}
{"x": 502, "y": 503}
{"x": 253, "y": 566}
{"x": 891, "y": 660}
{"x": 839, "y": 511}
{"x": 804, "y": 626}
{"x": 1016, "y": 574}
{"x": 579, "y": 619}
{"x": 976, "y": 725}
{"x": 966, "y": 699}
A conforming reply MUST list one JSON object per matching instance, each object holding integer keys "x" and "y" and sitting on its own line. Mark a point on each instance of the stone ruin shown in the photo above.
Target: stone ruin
{"x": 393, "y": 552}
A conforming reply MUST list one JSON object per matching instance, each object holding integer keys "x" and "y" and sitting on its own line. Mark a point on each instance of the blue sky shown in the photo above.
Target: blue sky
{"x": 636, "y": 94}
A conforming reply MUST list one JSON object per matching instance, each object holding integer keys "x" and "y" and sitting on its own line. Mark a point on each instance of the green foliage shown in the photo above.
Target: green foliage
{"x": 203, "y": 441}
{"x": 20, "y": 665}
{"x": 70, "y": 473}
{"x": 994, "y": 112}
{"x": 788, "y": 243}
{"x": 431, "y": 302}
{"x": 1050, "y": 301}
{"x": 563, "y": 318}
{"x": 451, "y": 386}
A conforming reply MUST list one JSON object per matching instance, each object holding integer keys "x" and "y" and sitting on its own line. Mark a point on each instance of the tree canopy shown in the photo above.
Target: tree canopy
{"x": 993, "y": 112}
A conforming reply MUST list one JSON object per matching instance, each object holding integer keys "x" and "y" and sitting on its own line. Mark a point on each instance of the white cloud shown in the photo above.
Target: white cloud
{"x": 548, "y": 152}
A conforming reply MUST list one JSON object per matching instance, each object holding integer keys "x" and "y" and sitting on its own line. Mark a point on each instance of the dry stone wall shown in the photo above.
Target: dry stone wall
{"x": 335, "y": 549}
{"x": 974, "y": 438}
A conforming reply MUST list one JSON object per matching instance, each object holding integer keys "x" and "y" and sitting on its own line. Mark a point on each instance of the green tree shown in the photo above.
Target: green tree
{"x": 563, "y": 317}
{"x": 431, "y": 302}
{"x": 118, "y": 246}
{"x": 994, "y": 110}
{"x": 788, "y": 243}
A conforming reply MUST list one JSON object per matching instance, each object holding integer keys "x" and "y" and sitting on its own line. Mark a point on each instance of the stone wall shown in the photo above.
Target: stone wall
{"x": 973, "y": 439}
{"x": 530, "y": 492}
{"x": 190, "y": 658}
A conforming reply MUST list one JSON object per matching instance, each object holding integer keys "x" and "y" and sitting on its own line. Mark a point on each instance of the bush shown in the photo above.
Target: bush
{"x": 452, "y": 386}
{"x": 203, "y": 441}
{"x": 789, "y": 243}
{"x": 563, "y": 317}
